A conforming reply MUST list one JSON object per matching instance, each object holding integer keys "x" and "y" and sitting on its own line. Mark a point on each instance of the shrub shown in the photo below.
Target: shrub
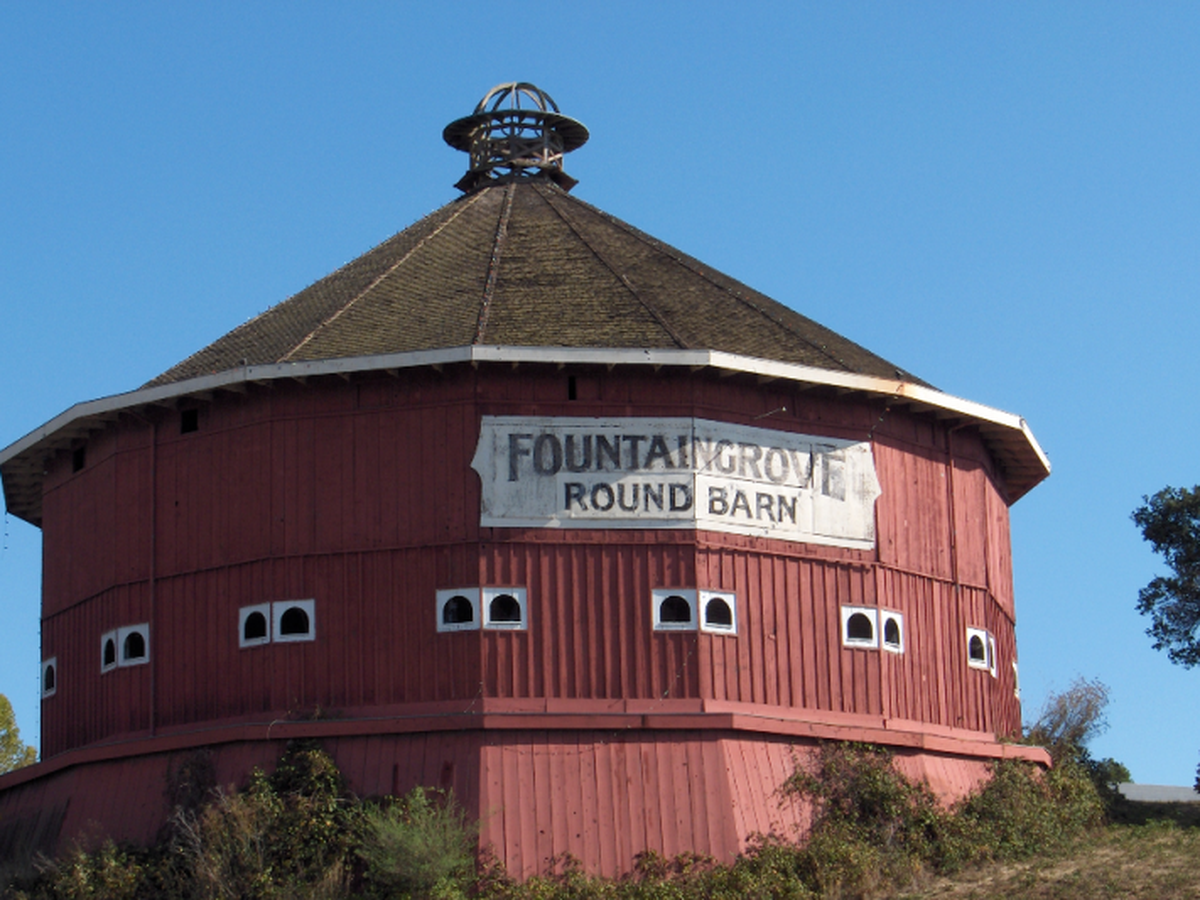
{"x": 1068, "y": 721}
{"x": 420, "y": 844}
{"x": 286, "y": 832}
{"x": 1022, "y": 811}
{"x": 107, "y": 873}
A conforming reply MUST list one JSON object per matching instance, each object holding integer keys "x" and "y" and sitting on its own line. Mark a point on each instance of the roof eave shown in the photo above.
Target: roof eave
{"x": 22, "y": 462}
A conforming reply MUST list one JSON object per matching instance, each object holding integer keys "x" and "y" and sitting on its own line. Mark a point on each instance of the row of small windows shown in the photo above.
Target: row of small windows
{"x": 467, "y": 609}
{"x": 685, "y": 609}
{"x": 126, "y": 646}
{"x": 504, "y": 608}
{"x": 282, "y": 622}
{"x": 861, "y": 628}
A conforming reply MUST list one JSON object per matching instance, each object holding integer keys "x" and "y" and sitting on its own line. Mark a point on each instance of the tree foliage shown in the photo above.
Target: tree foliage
{"x": 1170, "y": 521}
{"x": 14, "y": 753}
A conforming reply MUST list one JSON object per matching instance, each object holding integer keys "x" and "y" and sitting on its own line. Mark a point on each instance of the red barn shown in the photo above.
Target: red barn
{"x": 525, "y": 503}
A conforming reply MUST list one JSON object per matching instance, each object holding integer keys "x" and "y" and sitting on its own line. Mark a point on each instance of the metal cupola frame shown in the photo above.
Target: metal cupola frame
{"x": 515, "y": 132}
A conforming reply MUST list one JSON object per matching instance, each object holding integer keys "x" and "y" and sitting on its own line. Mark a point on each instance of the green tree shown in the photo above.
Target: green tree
{"x": 14, "y": 753}
{"x": 1170, "y": 521}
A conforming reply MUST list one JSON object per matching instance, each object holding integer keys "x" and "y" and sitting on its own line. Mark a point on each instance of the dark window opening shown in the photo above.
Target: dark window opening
{"x": 189, "y": 421}
{"x": 675, "y": 609}
{"x": 458, "y": 610}
{"x": 293, "y": 621}
{"x": 859, "y": 628}
{"x": 78, "y": 459}
{"x": 48, "y": 679}
{"x": 718, "y": 613}
{"x": 110, "y": 652}
{"x": 505, "y": 608}
{"x": 976, "y": 649}
{"x": 255, "y": 627}
{"x": 572, "y": 392}
{"x": 891, "y": 632}
{"x": 135, "y": 646}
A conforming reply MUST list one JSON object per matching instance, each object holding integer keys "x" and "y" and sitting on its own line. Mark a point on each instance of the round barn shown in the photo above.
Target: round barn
{"x": 528, "y": 504}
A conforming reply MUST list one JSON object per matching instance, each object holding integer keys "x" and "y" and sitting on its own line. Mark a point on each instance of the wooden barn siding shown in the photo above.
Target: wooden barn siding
{"x": 589, "y": 636}
{"x": 589, "y": 616}
{"x": 789, "y": 651}
{"x": 329, "y": 466}
{"x": 604, "y": 797}
{"x": 317, "y": 490}
{"x": 600, "y": 796}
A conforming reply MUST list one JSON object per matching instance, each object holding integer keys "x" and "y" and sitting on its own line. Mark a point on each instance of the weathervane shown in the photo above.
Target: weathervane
{"x": 508, "y": 140}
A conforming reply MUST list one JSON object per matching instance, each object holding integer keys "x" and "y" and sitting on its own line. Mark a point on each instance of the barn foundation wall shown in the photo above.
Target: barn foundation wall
{"x": 601, "y": 795}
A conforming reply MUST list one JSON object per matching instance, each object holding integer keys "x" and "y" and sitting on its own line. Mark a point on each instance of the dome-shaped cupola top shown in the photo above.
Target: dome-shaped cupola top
{"x": 516, "y": 132}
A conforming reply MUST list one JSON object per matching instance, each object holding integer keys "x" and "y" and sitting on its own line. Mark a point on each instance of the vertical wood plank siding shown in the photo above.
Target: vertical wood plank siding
{"x": 359, "y": 494}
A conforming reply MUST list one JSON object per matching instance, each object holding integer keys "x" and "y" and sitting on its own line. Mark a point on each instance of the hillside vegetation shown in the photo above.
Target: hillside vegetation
{"x": 296, "y": 833}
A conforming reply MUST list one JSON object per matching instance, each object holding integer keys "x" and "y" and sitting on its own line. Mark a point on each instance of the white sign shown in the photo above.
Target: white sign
{"x": 546, "y": 472}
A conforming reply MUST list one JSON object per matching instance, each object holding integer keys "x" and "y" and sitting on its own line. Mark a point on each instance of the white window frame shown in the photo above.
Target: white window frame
{"x": 658, "y": 595}
{"x": 52, "y": 663}
{"x": 988, "y": 663}
{"x": 898, "y": 618}
{"x": 143, "y": 629}
{"x": 1016, "y": 680}
{"x": 472, "y": 595}
{"x": 871, "y": 613}
{"x": 245, "y": 613}
{"x": 104, "y": 639}
{"x": 488, "y": 594}
{"x": 280, "y": 607}
{"x": 730, "y": 599}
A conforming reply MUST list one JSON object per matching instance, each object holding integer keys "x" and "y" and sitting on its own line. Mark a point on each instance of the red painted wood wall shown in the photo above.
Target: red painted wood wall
{"x": 359, "y": 493}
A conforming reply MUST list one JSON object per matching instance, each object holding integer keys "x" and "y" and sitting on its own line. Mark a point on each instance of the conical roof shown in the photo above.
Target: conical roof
{"x": 525, "y": 264}
{"x": 518, "y": 270}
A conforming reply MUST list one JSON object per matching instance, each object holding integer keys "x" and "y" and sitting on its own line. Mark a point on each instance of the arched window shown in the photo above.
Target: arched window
{"x": 49, "y": 677}
{"x": 719, "y": 612}
{"x": 860, "y": 627}
{"x": 133, "y": 644}
{"x": 134, "y": 647}
{"x": 457, "y": 609}
{"x": 893, "y": 631}
{"x": 108, "y": 651}
{"x": 504, "y": 608}
{"x": 293, "y": 620}
{"x": 255, "y": 627}
{"x": 674, "y": 609}
{"x": 981, "y": 650}
{"x": 975, "y": 649}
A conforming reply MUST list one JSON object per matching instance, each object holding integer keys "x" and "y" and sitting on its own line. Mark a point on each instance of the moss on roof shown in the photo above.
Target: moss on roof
{"x": 526, "y": 264}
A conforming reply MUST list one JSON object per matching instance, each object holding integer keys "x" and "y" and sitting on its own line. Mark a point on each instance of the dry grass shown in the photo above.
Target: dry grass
{"x": 1159, "y": 860}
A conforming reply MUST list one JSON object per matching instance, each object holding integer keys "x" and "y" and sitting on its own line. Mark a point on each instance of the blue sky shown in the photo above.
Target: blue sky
{"x": 1001, "y": 198}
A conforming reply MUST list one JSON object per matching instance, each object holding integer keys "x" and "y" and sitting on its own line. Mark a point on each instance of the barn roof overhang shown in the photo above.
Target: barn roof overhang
{"x": 1008, "y": 437}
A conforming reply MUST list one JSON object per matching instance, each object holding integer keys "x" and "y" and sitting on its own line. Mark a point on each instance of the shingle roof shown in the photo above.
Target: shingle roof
{"x": 525, "y": 264}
